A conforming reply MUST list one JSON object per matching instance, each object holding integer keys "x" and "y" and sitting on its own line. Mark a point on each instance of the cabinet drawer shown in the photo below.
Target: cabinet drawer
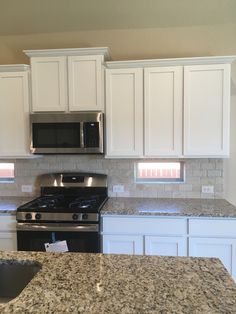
{"x": 7, "y": 222}
{"x": 141, "y": 225}
{"x": 212, "y": 227}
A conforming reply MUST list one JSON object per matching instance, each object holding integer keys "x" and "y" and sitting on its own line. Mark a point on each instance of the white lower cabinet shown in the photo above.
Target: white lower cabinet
{"x": 165, "y": 246}
{"x": 123, "y": 244}
{"x": 8, "y": 238}
{"x": 224, "y": 249}
{"x": 145, "y": 235}
{"x": 8, "y": 241}
{"x": 214, "y": 238}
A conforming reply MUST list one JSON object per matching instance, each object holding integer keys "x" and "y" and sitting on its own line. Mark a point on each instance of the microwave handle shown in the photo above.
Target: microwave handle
{"x": 81, "y": 134}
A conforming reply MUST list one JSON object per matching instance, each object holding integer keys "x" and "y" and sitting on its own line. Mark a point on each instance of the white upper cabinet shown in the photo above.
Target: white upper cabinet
{"x": 163, "y": 111}
{"x": 85, "y": 83}
{"x": 49, "y": 84}
{"x": 67, "y": 79}
{"x": 206, "y": 110}
{"x": 186, "y": 105}
{"x": 14, "y": 111}
{"x": 124, "y": 112}
{"x": 144, "y": 112}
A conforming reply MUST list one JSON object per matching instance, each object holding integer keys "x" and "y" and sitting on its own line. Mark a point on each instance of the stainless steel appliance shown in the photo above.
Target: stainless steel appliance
{"x": 68, "y": 209}
{"x": 67, "y": 133}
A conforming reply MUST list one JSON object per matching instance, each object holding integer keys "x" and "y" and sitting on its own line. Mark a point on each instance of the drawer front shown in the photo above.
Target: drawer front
{"x": 212, "y": 227}
{"x": 7, "y": 222}
{"x": 141, "y": 225}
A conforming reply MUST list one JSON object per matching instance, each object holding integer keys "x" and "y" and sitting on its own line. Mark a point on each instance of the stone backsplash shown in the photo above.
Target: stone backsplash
{"x": 198, "y": 172}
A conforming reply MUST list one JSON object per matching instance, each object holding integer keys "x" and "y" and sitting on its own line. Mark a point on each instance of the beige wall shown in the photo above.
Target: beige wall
{"x": 130, "y": 44}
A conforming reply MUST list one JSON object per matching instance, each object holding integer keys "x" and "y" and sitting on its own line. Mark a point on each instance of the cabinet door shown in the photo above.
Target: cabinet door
{"x": 14, "y": 114}
{"x": 163, "y": 111}
{"x": 123, "y": 244}
{"x": 124, "y": 112}
{"x": 85, "y": 83}
{"x": 224, "y": 249}
{"x": 8, "y": 241}
{"x": 49, "y": 84}
{"x": 166, "y": 246}
{"x": 206, "y": 110}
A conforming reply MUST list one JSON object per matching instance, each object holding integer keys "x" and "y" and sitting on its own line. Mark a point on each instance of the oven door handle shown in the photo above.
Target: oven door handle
{"x": 62, "y": 227}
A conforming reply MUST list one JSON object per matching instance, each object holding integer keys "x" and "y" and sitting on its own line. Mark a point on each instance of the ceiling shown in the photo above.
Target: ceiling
{"x": 47, "y": 16}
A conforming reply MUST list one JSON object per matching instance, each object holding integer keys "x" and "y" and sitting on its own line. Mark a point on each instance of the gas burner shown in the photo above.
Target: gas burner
{"x": 47, "y": 202}
{"x": 83, "y": 203}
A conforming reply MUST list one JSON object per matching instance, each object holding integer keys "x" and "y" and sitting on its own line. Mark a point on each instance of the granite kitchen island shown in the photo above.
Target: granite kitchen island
{"x": 97, "y": 283}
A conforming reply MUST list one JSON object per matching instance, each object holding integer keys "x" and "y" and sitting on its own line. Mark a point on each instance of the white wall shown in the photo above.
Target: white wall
{"x": 230, "y": 164}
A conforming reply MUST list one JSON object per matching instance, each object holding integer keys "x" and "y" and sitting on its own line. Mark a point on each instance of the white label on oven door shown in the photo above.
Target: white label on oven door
{"x": 59, "y": 246}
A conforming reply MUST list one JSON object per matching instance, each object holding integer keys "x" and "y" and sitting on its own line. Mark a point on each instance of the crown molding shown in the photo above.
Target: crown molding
{"x": 170, "y": 62}
{"x": 14, "y": 67}
{"x": 104, "y": 51}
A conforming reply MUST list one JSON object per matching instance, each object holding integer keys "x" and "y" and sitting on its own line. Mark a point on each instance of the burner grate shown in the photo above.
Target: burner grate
{"x": 47, "y": 202}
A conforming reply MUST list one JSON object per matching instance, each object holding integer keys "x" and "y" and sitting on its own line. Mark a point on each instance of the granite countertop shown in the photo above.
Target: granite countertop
{"x": 169, "y": 207}
{"x": 146, "y": 206}
{"x": 9, "y": 204}
{"x": 97, "y": 283}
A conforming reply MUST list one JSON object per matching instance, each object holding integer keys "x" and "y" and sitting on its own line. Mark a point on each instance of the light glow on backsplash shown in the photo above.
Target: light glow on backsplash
{"x": 120, "y": 172}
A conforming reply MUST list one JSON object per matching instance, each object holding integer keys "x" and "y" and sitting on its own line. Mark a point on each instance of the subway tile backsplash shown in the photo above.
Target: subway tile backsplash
{"x": 120, "y": 171}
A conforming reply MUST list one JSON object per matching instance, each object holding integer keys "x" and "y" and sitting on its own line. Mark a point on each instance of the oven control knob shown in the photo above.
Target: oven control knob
{"x": 28, "y": 216}
{"x": 75, "y": 217}
{"x": 38, "y": 216}
{"x": 85, "y": 216}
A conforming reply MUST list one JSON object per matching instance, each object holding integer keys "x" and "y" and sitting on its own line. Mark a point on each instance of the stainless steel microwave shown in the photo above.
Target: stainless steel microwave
{"x": 67, "y": 133}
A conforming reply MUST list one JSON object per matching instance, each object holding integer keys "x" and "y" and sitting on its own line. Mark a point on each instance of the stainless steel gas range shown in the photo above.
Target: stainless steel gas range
{"x": 68, "y": 209}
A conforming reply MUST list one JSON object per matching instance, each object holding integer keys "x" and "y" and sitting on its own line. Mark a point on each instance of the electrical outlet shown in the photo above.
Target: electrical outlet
{"x": 118, "y": 188}
{"x": 27, "y": 188}
{"x": 207, "y": 189}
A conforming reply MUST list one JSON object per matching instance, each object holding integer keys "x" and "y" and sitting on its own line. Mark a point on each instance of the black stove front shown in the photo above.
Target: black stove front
{"x": 67, "y": 210}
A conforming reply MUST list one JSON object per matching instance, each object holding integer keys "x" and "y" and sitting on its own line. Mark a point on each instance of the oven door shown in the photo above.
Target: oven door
{"x": 79, "y": 238}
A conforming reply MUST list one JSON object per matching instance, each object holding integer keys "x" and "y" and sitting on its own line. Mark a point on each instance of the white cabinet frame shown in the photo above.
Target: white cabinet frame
{"x": 144, "y": 235}
{"x": 201, "y": 129}
{"x": 165, "y": 246}
{"x": 85, "y": 83}
{"x": 222, "y": 248}
{"x": 124, "y": 112}
{"x": 49, "y": 84}
{"x": 8, "y": 241}
{"x": 206, "y": 110}
{"x": 14, "y": 112}
{"x": 69, "y": 79}
{"x": 123, "y": 244}
{"x": 8, "y": 238}
{"x": 163, "y": 103}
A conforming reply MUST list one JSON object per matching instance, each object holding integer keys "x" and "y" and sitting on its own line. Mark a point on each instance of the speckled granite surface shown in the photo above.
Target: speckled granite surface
{"x": 169, "y": 207}
{"x": 146, "y": 206}
{"x": 8, "y": 205}
{"x": 96, "y": 283}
